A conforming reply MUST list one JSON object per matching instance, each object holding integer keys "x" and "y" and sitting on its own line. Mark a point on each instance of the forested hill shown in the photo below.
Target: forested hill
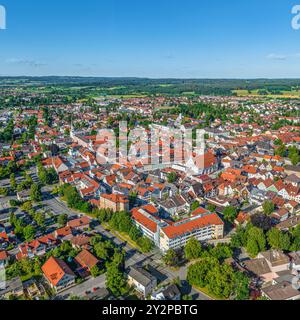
{"x": 159, "y": 86}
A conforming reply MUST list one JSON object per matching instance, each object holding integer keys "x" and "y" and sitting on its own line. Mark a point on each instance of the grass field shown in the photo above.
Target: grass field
{"x": 254, "y": 93}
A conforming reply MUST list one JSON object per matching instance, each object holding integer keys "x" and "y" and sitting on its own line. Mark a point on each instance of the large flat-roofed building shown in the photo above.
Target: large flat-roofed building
{"x": 202, "y": 225}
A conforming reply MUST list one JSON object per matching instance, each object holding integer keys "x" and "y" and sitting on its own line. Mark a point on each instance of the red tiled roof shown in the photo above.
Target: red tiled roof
{"x": 116, "y": 198}
{"x": 143, "y": 220}
{"x": 3, "y": 255}
{"x": 79, "y": 222}
{"x": 179, "y": 229}
{"x": 86, "y": 259}
{"x": 54, "y": 269}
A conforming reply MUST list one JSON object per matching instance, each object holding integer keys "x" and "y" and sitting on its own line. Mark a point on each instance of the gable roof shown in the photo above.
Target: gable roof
{"x": 86, "y": 259}
{"x": 55, "y": 269}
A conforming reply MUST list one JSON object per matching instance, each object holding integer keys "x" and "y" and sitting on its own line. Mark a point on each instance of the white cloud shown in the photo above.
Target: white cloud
{"x": 274, "y": 56}
{"x": 26, "y": 62}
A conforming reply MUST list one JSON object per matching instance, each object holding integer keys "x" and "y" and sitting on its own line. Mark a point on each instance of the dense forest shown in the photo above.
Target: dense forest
{"x": 125, "y": 86}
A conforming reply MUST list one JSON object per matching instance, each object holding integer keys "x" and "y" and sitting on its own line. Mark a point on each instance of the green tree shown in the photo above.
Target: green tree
{"x": 230, "y": 213}
{"x": 13, "y": 183}
{"x": 198, "y": 273}
{"x": 145, "y": 244}
{"x": 193, "y": 249}
{"x": 62, "y": 219}
{"x": 256, "y": 241}
{"x": 172, "y": 177}
{"x": 241, "y": 282}
{"x": 95, "y": 271}
{"x": 27, "y": 206}
{"x": 134, "y": 233}
{"x": 195, "y": 205}
{"x": 35, "y": 193}
{"x": 268, "y": 207}
{"x": 101, "y": 250}
{"x": 278, "y": 239}
{"x": 115, "y": 280}
{"x": 221, "y": 251}
{"x": 211, "y": 207}
{"x": 29, "y": 233}
{"x": 281, "y": 151}
{"x": 170, "y": 258}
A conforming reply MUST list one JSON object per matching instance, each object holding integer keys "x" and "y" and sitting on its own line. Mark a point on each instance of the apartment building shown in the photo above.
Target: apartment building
{"x": 114, "y": 202}
{"x": 202, "y": 225}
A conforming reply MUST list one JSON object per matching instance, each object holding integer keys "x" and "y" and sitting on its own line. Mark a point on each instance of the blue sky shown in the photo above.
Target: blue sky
{"x": 150, "y": 38}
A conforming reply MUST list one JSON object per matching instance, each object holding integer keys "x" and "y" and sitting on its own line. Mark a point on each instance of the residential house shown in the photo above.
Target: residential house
{"x": 114, "y": 202}
{"x": 141, "y": 280}
{"x": 4, "y": 258}
{"x": 169, "y": 293}
{"x": 37, "y": 247}
{"x": 13, "y": 287}
{"x": 86, "y": 261}
{"x": 58, "y": 274}
{"x": 277, "y": 260}
{"x": 82, "y": 223}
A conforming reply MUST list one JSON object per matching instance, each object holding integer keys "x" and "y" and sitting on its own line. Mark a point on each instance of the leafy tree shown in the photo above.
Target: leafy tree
{"x": 193, "y": 249}
{"x": 95, "y": 271}
{"x": 230, "y": 213}
{"x": 40, "y": 219}
{"x": 62, "y": 219}
{"x": 195, "y": 205}
{"x": 211, "y": 207}
{"x": 29, "y": 232}
{"x": 268, "y": 207}
{"x": 3, "y": 191}
{"x": 121, "y": 221}
{"x": 13, "y": 183}
{"x": 115, "y": 280}
{"x": 221, "y": 251}
{"x": 239, "y": 238}
{"x": 145, "y": 244}
{"x": 198, "y": 272}
{"x": 172, "y": 177}
{"x": 278, "y": 142}
{"x": 103, "y": 215}
{"x": 281, "y": 151}
{"x": 101, "y": 250}
{"x": 241, "y": 282}
{"x": 26, "y": 206}
{"x": 35, "y": 193}
{"x": 295, "y": 235}
{"x": 278, "y": 239}
{"x": 256, "y": 241}
{"x": 134, "y": 233}
{"x": 170, "y": 258}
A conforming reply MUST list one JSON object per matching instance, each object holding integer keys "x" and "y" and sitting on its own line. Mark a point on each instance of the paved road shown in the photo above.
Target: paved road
{"x": 133, "y": 256}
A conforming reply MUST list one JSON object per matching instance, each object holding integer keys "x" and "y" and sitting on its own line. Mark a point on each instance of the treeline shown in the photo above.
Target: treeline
{"x": 122, "y": 222}
{"x": 256, "y": 240}
{"x": 124, "y": 86}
